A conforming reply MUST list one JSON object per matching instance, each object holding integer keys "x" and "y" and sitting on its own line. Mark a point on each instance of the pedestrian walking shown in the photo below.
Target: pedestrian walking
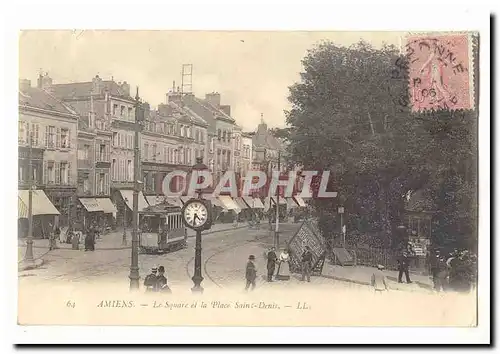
{"x": 161, "y": 281}
{"x": 403, "y": 267}
{"x": 150, "y": 280}
{"x": 283, "y": 272}
{"x": 250, "y": 273}
{"x": 379, "y": 280}
{"x": 306, "y": 260}
{"x": 75, "y": 241}
{"x": 439, "y": 272}
{"x": 271, "y": 263}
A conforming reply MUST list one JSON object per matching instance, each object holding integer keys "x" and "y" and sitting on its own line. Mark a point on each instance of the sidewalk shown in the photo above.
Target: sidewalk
{"x": 113, "y": 240}
{"x": 362, "y": 275}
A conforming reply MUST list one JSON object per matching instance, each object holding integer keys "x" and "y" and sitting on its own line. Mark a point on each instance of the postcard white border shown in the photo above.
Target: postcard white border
{"x": 283, "y": 15}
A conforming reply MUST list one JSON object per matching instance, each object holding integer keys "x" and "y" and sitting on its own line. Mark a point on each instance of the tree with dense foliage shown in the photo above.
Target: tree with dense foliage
{"x": 350, "y": 115}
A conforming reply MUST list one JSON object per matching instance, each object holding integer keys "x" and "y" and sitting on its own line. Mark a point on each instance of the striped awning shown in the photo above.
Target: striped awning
{"x": 41, "y": 204}
{"x": 106, "y": 205}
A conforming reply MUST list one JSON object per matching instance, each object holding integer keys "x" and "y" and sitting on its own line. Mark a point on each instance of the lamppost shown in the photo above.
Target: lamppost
{"x": 197, "y": 277}
{"x": 134, "y": 265}
{"x": 28, "y": 257}
{"x": 341, "y": 212}
{"x": 124, "y": 239}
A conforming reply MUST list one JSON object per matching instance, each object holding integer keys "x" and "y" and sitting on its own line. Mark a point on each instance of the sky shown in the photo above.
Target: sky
{"x": 251, "y": 70}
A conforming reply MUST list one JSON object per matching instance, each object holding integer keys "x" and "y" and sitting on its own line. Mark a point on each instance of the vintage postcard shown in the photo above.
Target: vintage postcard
{"x": 237, "y": 178}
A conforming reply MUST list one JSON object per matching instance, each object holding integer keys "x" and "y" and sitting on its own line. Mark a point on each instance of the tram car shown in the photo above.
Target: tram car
{"x": 162, "y": 230}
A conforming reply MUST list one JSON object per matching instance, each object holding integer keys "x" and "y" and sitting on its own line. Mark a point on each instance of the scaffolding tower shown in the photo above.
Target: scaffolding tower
{"x": 187, "y": 79}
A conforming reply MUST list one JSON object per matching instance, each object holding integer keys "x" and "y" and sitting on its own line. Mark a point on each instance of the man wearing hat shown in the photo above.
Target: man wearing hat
{"x": 161, "y": 281}
{"x": 379, "y": 280}
{"x": 251, "y": 272}
{"x": 150, "y": 280}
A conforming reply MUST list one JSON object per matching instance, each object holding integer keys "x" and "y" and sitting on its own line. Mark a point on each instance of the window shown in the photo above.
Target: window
{"x": 122, "y": 110}
{"x": 51, "y": 136}
{"x": 63, "y": 173}
{"x": 146, "y": 151}
{"x": 224, "y": 136}
{"x": 115, "y": 139}
{"x": 84, "y": 152}
{"x": 154, "y": 152}
{"x": 153, "y": 182}
{"x": 102, "y": 152}
{"x": 21, "y": 133}
{"x": 51, "y": 173}
{"x": 86, "y": 185}
{"x": 202, "y": 154}
{"x": 115, "y": 108}
{"x": 130, "y": 171}
{"x": 100, "y": 184}
{"x": 21, "y": 175}
{"x": 130, "y": 116}
{"x": 64, "y": 138}
{"x": 113, "y": 169}
{"x": 218, "y": 134}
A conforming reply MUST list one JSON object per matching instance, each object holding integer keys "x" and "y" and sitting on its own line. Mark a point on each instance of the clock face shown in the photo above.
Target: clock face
{"x": 195, "y": 214}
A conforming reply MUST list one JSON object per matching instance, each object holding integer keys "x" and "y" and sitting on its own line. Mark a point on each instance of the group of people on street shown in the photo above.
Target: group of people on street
{"x": 278, "y": 268}
{"x": 453, "y": 271}
{"x": 156, "y": 281}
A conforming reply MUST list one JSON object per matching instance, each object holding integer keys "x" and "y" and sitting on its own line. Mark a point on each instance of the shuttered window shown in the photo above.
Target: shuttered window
{"x": 57, "y": 173}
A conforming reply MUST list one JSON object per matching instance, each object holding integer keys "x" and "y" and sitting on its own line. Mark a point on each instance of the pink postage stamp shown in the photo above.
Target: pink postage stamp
{"x": 440, "y": 71}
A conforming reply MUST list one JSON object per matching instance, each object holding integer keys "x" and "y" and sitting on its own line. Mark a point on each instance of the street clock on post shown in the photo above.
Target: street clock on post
{"x": 196, "y": 214}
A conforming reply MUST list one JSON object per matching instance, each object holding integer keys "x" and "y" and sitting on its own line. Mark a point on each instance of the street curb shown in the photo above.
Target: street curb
{"x": 36, "y": 264}
{"x": 129, "y": 247}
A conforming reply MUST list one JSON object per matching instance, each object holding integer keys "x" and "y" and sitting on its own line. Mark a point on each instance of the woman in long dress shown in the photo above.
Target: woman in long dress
{"x": 283, "y": 266}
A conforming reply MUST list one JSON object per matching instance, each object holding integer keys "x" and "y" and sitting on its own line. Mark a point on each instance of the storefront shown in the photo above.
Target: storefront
{"x": 63, "y": 198}
{"x": 43, "y": 211}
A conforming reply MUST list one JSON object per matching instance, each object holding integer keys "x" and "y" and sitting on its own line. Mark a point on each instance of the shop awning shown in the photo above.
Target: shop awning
{"x": 300, "y": 201}
{"x": 154, "y": 200}
{"x": 254, "y": 203}
{"x": 41, "y": 203}
{"x": 22, "y": 209}
{"x": 91, "y": 204}
{"x": 106, "y": 205}
{"x": 241, "y": 203}
{"x": 266, "y": 203}
{"x": 282, "y": 201}
{"x": 175, "y": 201}
{"x": 128, "y": 197}
{"x": 291, "y": 203}
{"x": 228, "y": 203}
{"x": 185, "y": 199}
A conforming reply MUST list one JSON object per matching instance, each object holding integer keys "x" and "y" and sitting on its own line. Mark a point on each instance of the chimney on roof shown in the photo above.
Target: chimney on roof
{"x": 97, "y": 85}
{"x": 44, "y": 82}
{"x": 213, "y": 98}
{"x": 174, "y": 96}
{"x": 24, "y": 84}
{"x": 125, "y": 87}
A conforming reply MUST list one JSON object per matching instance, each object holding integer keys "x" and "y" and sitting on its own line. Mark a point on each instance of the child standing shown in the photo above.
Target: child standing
{"x": 379, "y": 280}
